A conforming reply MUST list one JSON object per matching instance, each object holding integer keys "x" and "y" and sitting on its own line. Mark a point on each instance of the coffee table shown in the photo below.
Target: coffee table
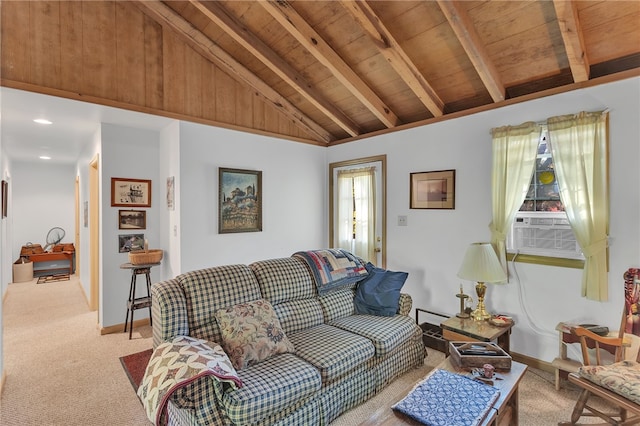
{"x": 469, "y": 330}
{"x": 503, "y": 413}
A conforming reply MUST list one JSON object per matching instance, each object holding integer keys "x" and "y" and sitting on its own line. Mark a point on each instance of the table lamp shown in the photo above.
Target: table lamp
{"x": 481, "y": 264}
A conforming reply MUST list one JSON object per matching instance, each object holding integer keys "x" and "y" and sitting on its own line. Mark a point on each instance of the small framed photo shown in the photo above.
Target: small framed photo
{"x": 433, "y": 190}
{"x": 130, "y": 242}
{"x": 171, "y": 193}
{"x": 132, "y": 219}
{"x": 130, "y": 192}
{"x": 240, "y": 201}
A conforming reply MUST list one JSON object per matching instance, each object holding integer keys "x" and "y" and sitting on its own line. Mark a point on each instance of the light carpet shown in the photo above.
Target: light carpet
{"x": 61, "y": 371}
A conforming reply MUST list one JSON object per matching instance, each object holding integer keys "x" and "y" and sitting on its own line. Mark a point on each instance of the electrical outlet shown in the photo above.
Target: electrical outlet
{"x": 402, "y": 221}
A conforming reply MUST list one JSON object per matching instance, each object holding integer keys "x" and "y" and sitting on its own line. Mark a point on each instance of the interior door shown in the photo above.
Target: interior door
{"x": 380, "y": 224}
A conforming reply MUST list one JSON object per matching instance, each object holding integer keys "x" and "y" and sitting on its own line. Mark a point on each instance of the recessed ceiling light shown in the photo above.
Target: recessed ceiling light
{"x": 45, "y": 157}
{"x": 42, "y": 121}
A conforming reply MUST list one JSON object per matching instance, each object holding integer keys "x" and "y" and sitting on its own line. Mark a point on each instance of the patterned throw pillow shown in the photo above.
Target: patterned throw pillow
{"x": 251, "y": 333}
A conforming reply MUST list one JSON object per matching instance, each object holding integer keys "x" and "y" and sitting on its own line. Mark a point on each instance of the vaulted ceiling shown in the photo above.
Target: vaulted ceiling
{"x": 321, "y": 72}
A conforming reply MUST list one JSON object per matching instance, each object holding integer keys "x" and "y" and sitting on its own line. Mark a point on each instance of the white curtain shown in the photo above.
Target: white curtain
{"x": 356, "y": 192}
{"x": 514, "y": 157}
{"x": 580, "y": 154}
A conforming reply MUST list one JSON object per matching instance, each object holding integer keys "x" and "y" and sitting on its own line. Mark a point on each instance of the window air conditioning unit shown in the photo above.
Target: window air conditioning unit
{"x": 543, "y": 234}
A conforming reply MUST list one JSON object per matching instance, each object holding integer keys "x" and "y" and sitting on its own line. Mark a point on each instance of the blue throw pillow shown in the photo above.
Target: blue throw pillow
{"x": 379, "y": 293}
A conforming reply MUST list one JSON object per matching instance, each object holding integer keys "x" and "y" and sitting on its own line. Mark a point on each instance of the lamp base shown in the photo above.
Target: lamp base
{"x": 480, "y": 313}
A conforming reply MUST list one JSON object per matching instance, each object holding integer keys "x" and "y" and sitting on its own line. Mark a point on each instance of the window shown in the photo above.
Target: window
{"x": 541, "y": 227}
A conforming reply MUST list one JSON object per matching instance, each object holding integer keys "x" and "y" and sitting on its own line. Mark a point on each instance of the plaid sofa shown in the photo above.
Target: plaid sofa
{"x": 341, "y": 359}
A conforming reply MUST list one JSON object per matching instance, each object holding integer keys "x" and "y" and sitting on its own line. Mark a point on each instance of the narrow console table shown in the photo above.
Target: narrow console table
{"x": 134, "y": 302}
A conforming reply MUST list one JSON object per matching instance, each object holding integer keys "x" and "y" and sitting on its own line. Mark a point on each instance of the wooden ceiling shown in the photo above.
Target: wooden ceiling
{"x": 321, "y": 72}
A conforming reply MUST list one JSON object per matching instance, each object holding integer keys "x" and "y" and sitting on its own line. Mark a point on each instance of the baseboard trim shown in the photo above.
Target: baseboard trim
{"x": 533, "y": 362}
{"x": 118, "y": 328}
{"x": 2, "y": 380}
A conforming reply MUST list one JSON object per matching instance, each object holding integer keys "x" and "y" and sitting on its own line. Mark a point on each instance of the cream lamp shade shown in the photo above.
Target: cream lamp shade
{"x": 481, "y": 264}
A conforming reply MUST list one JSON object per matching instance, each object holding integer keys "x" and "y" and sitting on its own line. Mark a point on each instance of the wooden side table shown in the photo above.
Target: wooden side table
{"x": 469, "y": 330}
{"x": 134, "y": 302}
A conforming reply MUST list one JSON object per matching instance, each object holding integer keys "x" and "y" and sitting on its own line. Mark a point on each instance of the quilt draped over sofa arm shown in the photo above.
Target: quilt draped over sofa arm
{"x": 176, "y": 364}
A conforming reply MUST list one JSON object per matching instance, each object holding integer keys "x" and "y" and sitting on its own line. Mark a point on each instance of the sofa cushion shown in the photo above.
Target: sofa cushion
{"x": 379, "y": 292}
{"x": 299, "y": 314}
{"x": 337, "y": 304}
{"x": 622, "y": 378}
{"x": 386, "y": 333}
{"x": 331, "y": 350}
{"x": 251, "y": 333}
{"x": 207, "y": 290}
{"x": 333, "y": 268}
{"x": 269, "y": 387}
{"x": 284, "y": 279}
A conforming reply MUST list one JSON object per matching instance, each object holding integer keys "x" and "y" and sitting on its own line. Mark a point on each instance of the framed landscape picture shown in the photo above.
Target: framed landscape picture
{"x": 240, "y": 201}
{"x": 433, "y": 190}
{"x": 130, "y": 192}
{"x": 132, "y": 219}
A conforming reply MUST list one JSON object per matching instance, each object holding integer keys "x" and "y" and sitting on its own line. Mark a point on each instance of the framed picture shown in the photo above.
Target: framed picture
{"x": 433, "y": 190}
{"x": 132, "y": 219}
{"x": 129, "y": 242}
{"x": 170, "y": 192}
{"x": 130, "y": 192}
{"x": 240, "y": 201}
{"x": 5, "y": 197}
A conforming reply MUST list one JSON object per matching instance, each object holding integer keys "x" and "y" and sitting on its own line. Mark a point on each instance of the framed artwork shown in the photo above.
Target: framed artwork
{"x": 129, "y": 242}
{"x": 240, "y": 201}
{"x": 130, "y": 192}
{"x": 5, "y": 197}
{"x": 433, "y": 190}
{"x": 132, "y": 219}
{"x": 170, "y": 192}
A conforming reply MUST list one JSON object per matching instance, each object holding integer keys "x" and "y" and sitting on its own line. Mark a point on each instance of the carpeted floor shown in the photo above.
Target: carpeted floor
{"x": 59, "y": 370}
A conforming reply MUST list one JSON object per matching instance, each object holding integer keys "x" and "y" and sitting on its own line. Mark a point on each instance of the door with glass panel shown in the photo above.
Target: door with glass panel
{"x": 357, "y": 207}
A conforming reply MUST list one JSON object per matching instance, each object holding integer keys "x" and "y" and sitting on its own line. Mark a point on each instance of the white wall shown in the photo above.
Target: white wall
{"x": 170, "y": 219}
{"x": 91, "y": 150}
{"x": 126, "y": 153}
{"x": 431, "y": 247}
{"x": 44, "y": 195}
{"x": 294, "y": 181}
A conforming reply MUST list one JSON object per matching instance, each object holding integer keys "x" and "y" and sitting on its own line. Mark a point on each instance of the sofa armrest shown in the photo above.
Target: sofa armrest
{"x": 168, "y": 312}
{"x": 404, "y": 304}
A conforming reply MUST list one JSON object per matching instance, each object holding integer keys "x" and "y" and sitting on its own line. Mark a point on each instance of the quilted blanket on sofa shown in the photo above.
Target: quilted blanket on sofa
{"x": 333, "y": 268}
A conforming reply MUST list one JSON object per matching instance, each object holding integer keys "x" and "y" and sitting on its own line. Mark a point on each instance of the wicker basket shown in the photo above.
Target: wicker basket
{"x": 142, "y": 257}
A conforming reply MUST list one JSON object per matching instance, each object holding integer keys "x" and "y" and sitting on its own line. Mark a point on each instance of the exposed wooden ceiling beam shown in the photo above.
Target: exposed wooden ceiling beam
{"x": 567, "y": 14}
{"x": 395, "y": 55}
{"x": 217, "y": 14}
{"x": 465, "y": 31}
{"x": 298, "y": 28}
{"x": 202, "y": 44}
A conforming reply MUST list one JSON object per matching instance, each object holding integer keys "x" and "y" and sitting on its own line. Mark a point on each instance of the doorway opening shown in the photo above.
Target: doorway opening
{"x": 357, "y": 207}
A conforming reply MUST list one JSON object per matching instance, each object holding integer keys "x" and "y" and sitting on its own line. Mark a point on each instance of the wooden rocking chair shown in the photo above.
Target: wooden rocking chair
{"x": 615, "y": 382}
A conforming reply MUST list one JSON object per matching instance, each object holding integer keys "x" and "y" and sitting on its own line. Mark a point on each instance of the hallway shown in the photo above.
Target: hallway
{"x": 59, "y": 370}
